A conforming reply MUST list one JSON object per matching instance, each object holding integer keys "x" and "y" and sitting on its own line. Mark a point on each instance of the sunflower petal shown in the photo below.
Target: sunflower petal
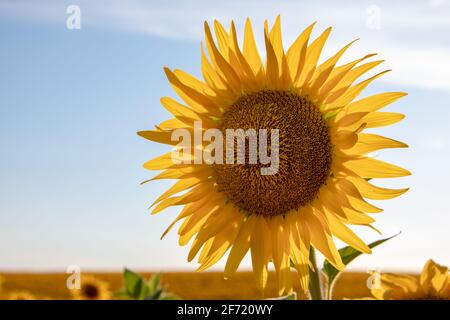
{"x": 312, "y": 57}
{"x": 250, "y": 50}
{"x": 337, "y": 75}
{"x": 372, "y": 168}
{"x": 373, "y": 192}
{"x": 296, "y": 54}
{"x": 181, "y": 185}
{"x": 272, "y": 65}
{"x": 323, "y": 71}
{"x": 368, "y": 142}
{"x": 221, "y": 64}
{"x": 373, "y": 103}
{"x": 321, "y": 238}
{"x": 352, "y": 92}
{"x": 345, "y": 234}
{"x": 434, "y": 278}
{"x": 240, "y": 246}
{"x": 259, "y": 243}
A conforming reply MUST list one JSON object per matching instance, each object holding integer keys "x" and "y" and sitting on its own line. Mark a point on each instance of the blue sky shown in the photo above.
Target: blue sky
{"x": 72, "y": 100}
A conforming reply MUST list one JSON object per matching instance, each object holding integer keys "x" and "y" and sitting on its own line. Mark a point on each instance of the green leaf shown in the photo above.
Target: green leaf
{"x": 155, "y": 295}
{"x": 348, "y": 254}
{"x": 135, "y": 286}
{"x": 291, "y": 296}
{"x": 154, "y": 282}
{"x": 138, "y": 288}
{"x": 169, "y": 296}
{"x": 120, "y": 294}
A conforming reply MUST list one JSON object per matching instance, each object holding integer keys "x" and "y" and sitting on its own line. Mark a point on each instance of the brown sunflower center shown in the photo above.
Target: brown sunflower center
{"x": 90, "y": 291}
{"x": 304, "y": 151}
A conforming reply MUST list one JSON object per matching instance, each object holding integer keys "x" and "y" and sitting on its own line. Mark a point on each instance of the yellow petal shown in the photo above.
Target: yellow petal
{"x": 220, "y": 63}
{"x": 321, "y": 238}
{"x": 190, "y": 209}
{"x": 280, "y": 253}
{"x": 371, "y": 191}
{"x": 275, "y": 39}
{"x": 194, "y": 223}
{"x": 166, "y": 161}
{"x": 372, "y": 168}
{"x": 337, "y": 203}
{"x": 337, "y": 75}
{"x": 272, "y": 66}
{"x": 248, "y": 75}
{"x": 371, "y": 142}
{"x": 409, "y": 284}
{"x": 345, "y": 139}
{"x": 215, "y": 80}
{"x": 192, "y": 195}
{"x": 198, "y": 101}
{"x": 193, "y": 82}
{"x": 350, "y": 119}
{"x": 373, "y": 103}
{"x": 381, "y": 119}
{"x": 158, "y": 136}
{"x": 324, "y": 70}
{"x": 260, "y": 240}
{"x": 351, "y": 93}
{"x": 214, "y": 224}
{"x": 222, "y": 39}
{"x": 250, "y": 50}
{"x": 312, "y": 57}
{"x": 354, "y": 197}
{"x": 434, "y": 278}
{"x": 181, "y": 185}
{"x": 300, "y": 245}
{"x": 349, "y": 78}
{"x": 296, "y": 55}
{"x": 345, "y": 234}
{"x": 240, "y": 246}
{"x": 174, "y": 123}
{"x": 181, "y": 173}
{"x": 177, "y": 109}
{"x": 219, "y": 247}
{"x": 352, "y": 216}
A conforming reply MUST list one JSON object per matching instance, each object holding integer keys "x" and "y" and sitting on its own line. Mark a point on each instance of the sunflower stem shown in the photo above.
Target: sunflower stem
{"x": 315, "y": 287}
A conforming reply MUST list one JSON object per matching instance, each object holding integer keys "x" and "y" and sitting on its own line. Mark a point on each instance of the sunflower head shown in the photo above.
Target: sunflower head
{"x": 432, "y": 284}
{"x": 91, "y": 288}
{"x": 21, "y": 295}
{"x": 311, "y": 179}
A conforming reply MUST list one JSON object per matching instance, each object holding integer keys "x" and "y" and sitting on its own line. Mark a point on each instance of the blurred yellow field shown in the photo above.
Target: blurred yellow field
{"x": 188, "y": 285}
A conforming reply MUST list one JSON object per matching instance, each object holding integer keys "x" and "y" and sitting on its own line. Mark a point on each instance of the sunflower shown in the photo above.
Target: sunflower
{"x": 432, "y": 284}
{"x": 324, "y": 168}
{"x": 91, "y": 288}
{"x": 21, "y": 295}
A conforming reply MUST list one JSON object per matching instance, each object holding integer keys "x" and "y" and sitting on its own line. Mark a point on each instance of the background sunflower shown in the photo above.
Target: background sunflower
{"x": 432, "y": 284}
{"x": 91, "y": 288}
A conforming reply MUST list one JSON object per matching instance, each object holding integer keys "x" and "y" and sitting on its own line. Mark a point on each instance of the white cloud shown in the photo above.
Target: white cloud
{"x": 412, "y": 35}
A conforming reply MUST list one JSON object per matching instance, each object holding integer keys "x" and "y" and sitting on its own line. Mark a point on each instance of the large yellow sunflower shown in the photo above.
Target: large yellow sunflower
{"x": 324, "y": 168}
{"x": 432, "y": 284}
